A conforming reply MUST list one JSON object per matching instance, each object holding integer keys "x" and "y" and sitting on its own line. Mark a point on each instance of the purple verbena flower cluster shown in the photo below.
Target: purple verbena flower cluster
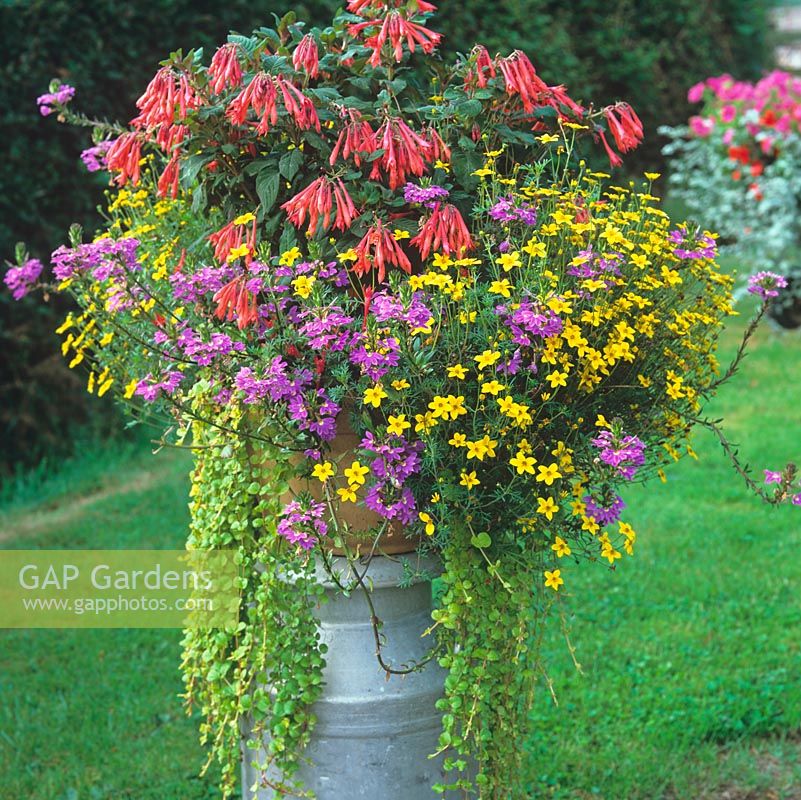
{"x": 20, "y": 280}
{"x": 61, "y": 96}
{"x": 692, "y": 246}
{"x": 323, "y": 328}
{"x": 766, "y": 284}
{"x": 377, "y": 359}
{"x": 428, "y": 196}
{"x": 302, "y": 526}
{"x": 104, "y": 258}
{"x": 506, "y": 210}
{"x": 194, "y": 287}
{"x": 311, "y": 410}
{"x": 94, "y": 158}
{"x": 530, "y": 319}
{"x": 392, "y": 465}
{"x": 625, "y": 453}
{"x": 150, "y": 389}
{"x": 390, "y": 308}
{"x": 604, "y": 515}
{"x": 592, "y": 265}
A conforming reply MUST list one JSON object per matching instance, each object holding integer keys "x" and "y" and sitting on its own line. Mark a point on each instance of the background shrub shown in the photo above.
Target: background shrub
{"x": 645, "y": 51}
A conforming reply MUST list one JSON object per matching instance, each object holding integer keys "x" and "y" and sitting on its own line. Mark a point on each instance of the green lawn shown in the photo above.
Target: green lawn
{"x": 691, "y": 651}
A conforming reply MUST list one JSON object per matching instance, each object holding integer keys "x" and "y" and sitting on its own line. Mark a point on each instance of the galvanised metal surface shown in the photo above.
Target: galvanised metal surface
{"x": 373, "y": 735}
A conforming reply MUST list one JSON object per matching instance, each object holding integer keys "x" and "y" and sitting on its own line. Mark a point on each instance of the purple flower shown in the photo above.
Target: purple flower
{"x": 796, "y": 501}
{"x": 202, "y": 352}
{"x": 377, "y": 360}
{"x": 94, "y": 158}
{"x": 150, "y": 389}
{"x": 303, "y": 526}
{"x": 61, "y": 96}
{"x": 104, "y": 258}
{"x": 604, "y": 515}
{"x": 207, "y": 280}
{"x": 529, "y": 319}
{"x": 392, "y": 465}
{"x": 692, "y": 246}
{"x": 20, "y": 280}
{"x": 766, "y": 284}
{"x": 506, "y": 210}
{"x": 624, "y": 453}
{"x": 322, "y": 328}
{"x": 772, "y": 477}
{"x": 427, "y": 195}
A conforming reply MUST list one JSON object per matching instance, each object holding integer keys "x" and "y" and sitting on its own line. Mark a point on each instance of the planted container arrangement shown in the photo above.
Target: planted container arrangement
{"x": 737, "y": 167}
{"x": 389, "y": 308}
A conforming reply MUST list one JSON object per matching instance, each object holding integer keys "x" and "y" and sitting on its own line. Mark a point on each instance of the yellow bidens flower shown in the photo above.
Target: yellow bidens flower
{"x": 561, "y": 547}
{"x": 347, "y": 494}
{"x": 547, "y": 507}
{"x": 457, "y": 371}
{"x": 323, "y": 471}
{"x": 373, "y": 395}
{"x": 553, "y": 580}
{"x": 449, "y": 407}
{"x": 482, "y": 448}
{"x": 397, "y": 425}
{"x": 492, "y": 387}
{"x": 289, "y": 257}
{"x": 503, "y": 288}
{"x": 428, "y": 522}
{"x": 355, "y": 473}
{"x": 548, "y": 474}
{"x": 303, "y": 285}
{"x": 523, "y": 464}
{"x": 487, "y": 359}
{"x": 400, "y": 385}
{"x": 469, "y": 480}
{"x": 458, "y": 440}
{"x": 509, "y": 261}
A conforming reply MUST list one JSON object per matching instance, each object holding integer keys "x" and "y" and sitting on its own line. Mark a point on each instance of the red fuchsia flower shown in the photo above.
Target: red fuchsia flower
{"x": 625, "y": 126}
{"x": 168, "y": 182}
{"x": 482, "y": 68}
{"x": 521, "y": 78}
{"x": 559, "y": 97}
{"x": 300, "y": 107}
{"x": 168, "y": 96}
{"x": 317, "y": 200}
{"x": 355, "y": 138}
{"x": 444, "y": 230}
{"x": 233, "y": 237}
{"x": 405, "y": 152}
{"x": 123, "y": 157}
{"x": 225, "y": 71}
{"x": 377, "y": 6}
{"x": 378, "y": 250}
{"x": 439, "y": 149}
{"x": 306, "y": 58}
{"x": 261, "y": 95}
{"x": 168, "y": 137}
{"x": 236, "y": 301}
{"x": 395, "y": 29}
{"x": 614, "y": 159}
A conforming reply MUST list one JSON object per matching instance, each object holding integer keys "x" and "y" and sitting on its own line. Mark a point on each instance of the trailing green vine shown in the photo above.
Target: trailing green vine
{"x": 489, "y": 622}
{"x": 262, "y": 677}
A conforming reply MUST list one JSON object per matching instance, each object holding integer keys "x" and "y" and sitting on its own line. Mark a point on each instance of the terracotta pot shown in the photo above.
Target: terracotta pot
{"x": 359, "y": 519}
